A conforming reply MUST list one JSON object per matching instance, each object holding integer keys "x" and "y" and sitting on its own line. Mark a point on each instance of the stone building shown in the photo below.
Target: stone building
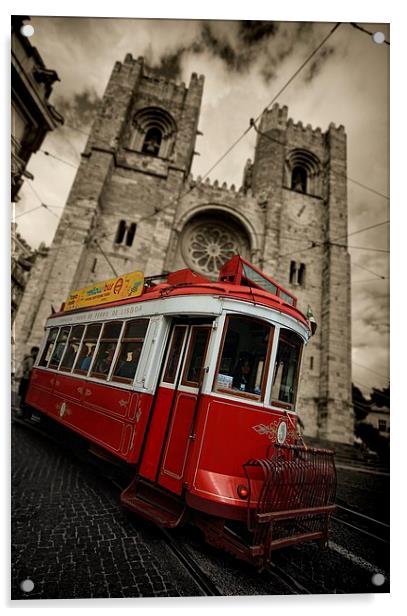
{"x": 32, "y": 116}
{"x": 134, "y": 205}
{"x": 23, "y": 258}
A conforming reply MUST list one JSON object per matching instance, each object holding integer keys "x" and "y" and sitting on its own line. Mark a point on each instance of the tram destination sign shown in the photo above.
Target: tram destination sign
{"x": 123, "y": 287}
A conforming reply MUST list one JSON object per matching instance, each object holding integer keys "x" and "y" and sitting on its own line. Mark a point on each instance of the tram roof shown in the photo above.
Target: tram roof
{"x": 238, "y": 279}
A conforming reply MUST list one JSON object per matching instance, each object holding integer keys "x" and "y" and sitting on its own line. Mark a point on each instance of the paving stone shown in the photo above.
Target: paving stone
{"x": 68, "y": 533}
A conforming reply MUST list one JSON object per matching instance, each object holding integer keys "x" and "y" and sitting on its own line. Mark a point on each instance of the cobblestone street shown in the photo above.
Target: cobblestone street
{"x": 72, "y": 539}
{"x": 70, "y": 535}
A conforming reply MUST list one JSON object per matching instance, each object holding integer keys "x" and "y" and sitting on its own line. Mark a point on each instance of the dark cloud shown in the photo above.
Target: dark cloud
{"x": 268, "y": 72}
{"x": 79, "y": 110}
{"x": 241, "y": 45}
{"x": 170, "y": 64}
{"x": 222, "y": 49}
{"x": 252, "y": 32}
{"x": 316, "y": 65}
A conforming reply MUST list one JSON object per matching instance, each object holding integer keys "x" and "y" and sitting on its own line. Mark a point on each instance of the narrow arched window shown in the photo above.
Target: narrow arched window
{"x": 301, "y": 275}
{"x": 299, "y": 179}
{"x": 130, "y": 234}
{"x": 152, "y": 141}
{"x": 293, "y": 272}
{"x": 121, "y": 230}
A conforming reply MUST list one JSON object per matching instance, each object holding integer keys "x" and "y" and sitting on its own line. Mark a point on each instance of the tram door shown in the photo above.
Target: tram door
{"x": 168, "y": 439}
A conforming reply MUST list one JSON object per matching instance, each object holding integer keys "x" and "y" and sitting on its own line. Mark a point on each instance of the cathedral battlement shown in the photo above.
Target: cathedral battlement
{"x": 277, "y": 118}
{"x": 215, "y": 185}
{"x": 135, "y": 65}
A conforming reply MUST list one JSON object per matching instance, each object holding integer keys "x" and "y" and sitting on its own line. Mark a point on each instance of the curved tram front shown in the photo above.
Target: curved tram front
{"x": 193, "y": 385}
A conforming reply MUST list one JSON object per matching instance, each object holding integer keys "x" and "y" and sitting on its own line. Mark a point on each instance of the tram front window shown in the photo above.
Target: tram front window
{"x": 286, "y": 368}
{"x": 243, "y": 357}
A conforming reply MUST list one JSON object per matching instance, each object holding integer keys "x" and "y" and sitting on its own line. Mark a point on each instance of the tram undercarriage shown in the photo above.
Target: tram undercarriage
{"x": 296, "y": 498}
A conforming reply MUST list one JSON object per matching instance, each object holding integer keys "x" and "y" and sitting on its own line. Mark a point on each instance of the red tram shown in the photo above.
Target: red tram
{"x": 192, "y": 384}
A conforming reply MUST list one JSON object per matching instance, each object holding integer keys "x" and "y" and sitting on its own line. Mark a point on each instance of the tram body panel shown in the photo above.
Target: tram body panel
{"x": 114, "y": 418}
{"x": 156, "y": 433}
{"x": 177, "y": 442}
{"x": 229, "y": 432}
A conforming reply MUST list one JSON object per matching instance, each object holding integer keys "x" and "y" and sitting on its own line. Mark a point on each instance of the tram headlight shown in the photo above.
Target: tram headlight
{"x": 242, "y": 491}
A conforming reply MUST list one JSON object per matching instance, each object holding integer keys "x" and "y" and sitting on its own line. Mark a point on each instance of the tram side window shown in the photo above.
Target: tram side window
{"x": 107, "y": 347}
{"x": 46, "y": 354}
{"x": 286, "y": 368}
{"x": 174, "y": 354}
{"x": 59, "y": 347}
{"x": 87, "y": 349}
{"x": 72, "y": 348}
{"x": 196, "y": 356}
{"x": 130, "y": 350}
{"x": 243, "y": 357}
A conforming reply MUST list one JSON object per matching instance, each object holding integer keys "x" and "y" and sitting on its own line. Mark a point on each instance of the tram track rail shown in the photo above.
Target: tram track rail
{"x": 375, "y": 529}
{"x": 294, "y": 586}
{"x": 116, "y": 475}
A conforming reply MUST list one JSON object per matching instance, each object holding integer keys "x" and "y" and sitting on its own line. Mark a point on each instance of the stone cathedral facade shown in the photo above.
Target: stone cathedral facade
{"x": 135, "y": 206}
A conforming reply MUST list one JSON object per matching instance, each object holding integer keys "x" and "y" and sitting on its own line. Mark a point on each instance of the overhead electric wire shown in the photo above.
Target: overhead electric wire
{"x": 355, "y": 25}
{"x": 252, "y": 124}
{"x": 28, "y": 211}
{"x": 42, "y": 204}
{"x": 159, "y": 210}
{"x": 287, "y": 83}
{"x": 316, "y": 244}
{"x": 60, "y": 159}
{"x": 370, "y": 370}
{"x": 368, "y": 270}
{"x": 363, "y": 248}
{"x": 107, "y": 259}
{"x": 370, "y": 280}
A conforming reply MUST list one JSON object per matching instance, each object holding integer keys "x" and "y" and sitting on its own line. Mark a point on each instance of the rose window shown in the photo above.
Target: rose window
{"x": 207, "y": 246}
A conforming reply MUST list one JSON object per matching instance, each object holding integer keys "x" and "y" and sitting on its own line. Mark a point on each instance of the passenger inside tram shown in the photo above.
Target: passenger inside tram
{"x": 105, "y": 361}
{"x": 127, "y": 367}
{"x": 242, "y": 374}
{"x": 85, "y": 362}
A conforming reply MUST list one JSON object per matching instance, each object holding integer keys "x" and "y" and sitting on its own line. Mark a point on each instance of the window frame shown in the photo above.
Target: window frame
{"x": 78, "y": 371}
{"x": 190, "y": 343}
{"x": 45, "y": 348}
{"x": 277, "y": 403}
{"x": 265, "y": 377}
{"x": 121, "y": 340}
{"x": 60, "y": 367}
{"x": 69, "y": 328}
{"x": 184, "y": 329}
{"x": 104, "y": 376}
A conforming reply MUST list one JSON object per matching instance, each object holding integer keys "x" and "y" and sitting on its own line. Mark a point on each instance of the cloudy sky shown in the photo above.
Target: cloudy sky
{"x": 245, "y": 64}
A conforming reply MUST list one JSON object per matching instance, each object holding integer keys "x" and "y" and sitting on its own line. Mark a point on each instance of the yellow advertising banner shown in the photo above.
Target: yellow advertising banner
{"x": 124, "y": 287}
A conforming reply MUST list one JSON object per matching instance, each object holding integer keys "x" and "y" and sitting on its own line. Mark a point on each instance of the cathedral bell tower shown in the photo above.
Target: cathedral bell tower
{"x": 121, "y": 206}
{"x": 300, "y": 174}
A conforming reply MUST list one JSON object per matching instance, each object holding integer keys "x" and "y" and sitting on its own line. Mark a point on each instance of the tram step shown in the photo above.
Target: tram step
{"x": 153, "y": 503}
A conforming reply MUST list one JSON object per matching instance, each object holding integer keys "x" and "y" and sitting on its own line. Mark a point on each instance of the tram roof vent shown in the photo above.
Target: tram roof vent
{"x": 239, "y": 271}
{"x": 185, "y": 276}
